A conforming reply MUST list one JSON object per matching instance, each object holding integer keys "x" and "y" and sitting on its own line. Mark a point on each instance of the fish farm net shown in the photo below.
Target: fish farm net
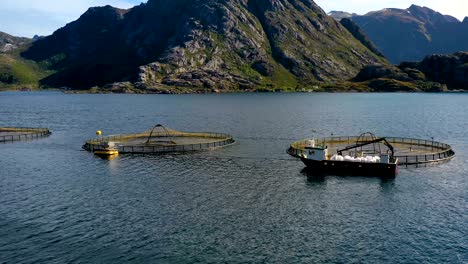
{"x": 160, "y": 139}
{"x": 9, "y": 134}
{"x": 408, "y": 151}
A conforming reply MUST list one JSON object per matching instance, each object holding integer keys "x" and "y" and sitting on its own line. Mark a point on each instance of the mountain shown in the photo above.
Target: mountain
{"x": 413, "y": 33}
{"x": 202, "y": 45}
{"x": 433, "y": 73}
{"x": 360, "y": 35}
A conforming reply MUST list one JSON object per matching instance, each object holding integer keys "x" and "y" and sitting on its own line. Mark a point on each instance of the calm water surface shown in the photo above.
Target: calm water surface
{"x": 247, "y": 203}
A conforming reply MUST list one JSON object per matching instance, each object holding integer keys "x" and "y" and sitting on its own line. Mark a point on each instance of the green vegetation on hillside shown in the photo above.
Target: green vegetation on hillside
{"x": 19, "y": 73}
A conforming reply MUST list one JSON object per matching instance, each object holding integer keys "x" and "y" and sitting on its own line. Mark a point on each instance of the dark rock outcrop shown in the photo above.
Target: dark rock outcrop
{"x": 381, "y": 71}
{"x": 214, "y": 45}
{"x": 434, "y": 73}
{"x": 86, "y": 52}
{"x": 451, "y": 70}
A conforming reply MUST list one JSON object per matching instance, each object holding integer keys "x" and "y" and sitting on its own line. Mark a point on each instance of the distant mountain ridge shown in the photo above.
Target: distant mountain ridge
{"x": 9, "y": 42}
{"x": 192, "y": 45}
{"x": 413, "y": 33}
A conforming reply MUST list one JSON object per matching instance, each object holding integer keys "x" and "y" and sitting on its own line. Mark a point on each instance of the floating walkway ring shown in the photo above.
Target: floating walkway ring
{"x": 159, "y": 139}
{"x": 9, "y": 134}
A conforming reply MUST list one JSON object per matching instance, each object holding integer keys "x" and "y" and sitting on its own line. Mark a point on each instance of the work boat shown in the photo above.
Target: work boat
{"x": 362, "y": 158}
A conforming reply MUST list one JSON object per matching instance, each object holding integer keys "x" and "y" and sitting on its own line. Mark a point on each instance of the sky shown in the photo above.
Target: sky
{"x": 27, "y": 18}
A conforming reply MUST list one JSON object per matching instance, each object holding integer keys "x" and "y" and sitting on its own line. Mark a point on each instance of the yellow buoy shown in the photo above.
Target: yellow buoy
{"x": 99, "y": 132}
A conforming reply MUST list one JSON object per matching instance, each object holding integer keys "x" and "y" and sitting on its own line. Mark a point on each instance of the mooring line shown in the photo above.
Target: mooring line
{"x": 250, "y": 158}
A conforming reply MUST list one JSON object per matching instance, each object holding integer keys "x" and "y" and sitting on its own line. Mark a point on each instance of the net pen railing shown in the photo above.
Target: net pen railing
{"x": 128, "y": 137}
{"x": 124, "y": 142}
{"x": 22, "y": 133}
{"x": 175, "y": 148}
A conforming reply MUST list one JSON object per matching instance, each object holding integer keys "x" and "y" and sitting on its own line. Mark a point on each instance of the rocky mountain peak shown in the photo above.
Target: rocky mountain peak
{"x": 105, "y": 12}
{"x": 428, "y": 15}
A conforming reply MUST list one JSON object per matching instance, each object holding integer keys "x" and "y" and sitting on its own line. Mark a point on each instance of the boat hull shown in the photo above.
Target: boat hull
{"x": 351, "y": 168}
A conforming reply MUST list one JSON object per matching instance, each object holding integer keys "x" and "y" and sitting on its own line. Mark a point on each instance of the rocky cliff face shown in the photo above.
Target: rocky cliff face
{"x": 210, "y": 45}
{"x": 413, "y": 33}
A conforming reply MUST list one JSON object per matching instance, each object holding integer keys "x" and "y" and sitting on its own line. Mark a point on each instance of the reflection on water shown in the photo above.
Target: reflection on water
{"x": 250, "y": 202}
{"x": 321, "y": 177}
{"x": 316, "y": 179}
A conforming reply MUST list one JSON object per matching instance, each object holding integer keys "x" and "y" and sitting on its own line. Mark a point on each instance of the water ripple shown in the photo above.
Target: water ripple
{"x": 250, "y": 202}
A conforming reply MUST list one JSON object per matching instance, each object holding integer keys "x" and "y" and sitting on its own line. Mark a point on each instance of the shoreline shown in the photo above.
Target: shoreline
{"x": 342, "y": 87}
{"x": 226, "y": 92}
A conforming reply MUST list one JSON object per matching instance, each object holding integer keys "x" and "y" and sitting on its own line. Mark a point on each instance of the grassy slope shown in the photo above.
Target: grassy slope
{"x": 18, "y": 73}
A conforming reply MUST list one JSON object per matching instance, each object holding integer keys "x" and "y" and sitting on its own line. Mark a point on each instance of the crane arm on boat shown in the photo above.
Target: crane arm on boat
{"x": 357, "y": 145}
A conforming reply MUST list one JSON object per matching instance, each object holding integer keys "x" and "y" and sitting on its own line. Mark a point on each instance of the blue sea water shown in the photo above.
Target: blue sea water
{"x": 248, "y": 203}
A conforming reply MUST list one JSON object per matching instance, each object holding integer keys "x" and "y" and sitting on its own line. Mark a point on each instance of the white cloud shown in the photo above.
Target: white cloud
{"x": 30, "y": 17}
{"x": 456, "y": 8}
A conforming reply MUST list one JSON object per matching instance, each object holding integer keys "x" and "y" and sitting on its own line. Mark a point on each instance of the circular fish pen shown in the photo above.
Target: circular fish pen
{"x": 159, "y": 139}
{"x": 10, "y": 134}
{"x": 408, "y": 151}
